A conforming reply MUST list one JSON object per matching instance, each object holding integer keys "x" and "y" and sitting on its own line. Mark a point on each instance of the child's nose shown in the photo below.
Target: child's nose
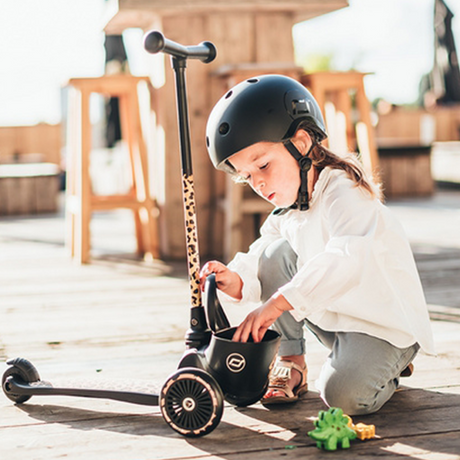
{"x": 260, "y": 185}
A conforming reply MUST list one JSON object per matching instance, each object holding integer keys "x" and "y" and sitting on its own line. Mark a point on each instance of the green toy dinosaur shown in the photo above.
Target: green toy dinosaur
{"x": 332, "y": 430}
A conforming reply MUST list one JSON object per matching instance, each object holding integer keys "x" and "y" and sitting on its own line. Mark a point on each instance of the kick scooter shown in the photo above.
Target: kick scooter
{"x": 213, "y": 368}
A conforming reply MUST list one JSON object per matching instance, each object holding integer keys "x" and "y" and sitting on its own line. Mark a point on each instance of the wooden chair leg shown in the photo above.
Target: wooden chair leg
{"x": 364, "y": 108}
{"x": 74, "y": 135}
{"x": 85, "y": 180}
{"x": 151, "y": 227}
{"x": 151, "y": 222}
{"x": 139, "y": 233}
{"x": 127, "y": 121}
{"x": 138, "y": 150}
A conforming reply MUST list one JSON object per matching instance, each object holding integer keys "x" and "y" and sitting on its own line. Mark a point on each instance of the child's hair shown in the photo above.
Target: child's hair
{"x": 322, "y": 157}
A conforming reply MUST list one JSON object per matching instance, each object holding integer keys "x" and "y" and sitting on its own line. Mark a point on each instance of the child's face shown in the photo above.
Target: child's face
{"x": 271, "y": 171}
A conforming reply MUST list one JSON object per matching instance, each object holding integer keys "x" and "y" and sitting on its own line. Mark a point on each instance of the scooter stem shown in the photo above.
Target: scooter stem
{"x": 198, "y": 335}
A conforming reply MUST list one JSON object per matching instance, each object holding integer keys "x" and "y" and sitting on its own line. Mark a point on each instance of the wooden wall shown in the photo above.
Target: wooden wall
{"x": 413, "y": 126}
{"x": 41, "y": 142}
{"x": 243, "y": 37}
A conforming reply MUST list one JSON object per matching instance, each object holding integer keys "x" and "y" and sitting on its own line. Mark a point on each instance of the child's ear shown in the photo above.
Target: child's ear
{"x": 303, "y": 140}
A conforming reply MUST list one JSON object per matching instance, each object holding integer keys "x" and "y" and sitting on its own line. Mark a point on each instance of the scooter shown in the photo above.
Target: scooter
{"x": 213, "y": 369}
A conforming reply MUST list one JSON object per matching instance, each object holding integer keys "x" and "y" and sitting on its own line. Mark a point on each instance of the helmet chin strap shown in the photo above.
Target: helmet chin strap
{"x": 305, "y": 166}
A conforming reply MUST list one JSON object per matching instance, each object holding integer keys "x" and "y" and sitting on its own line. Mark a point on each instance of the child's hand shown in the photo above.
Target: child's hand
{"x": 260, "y": 319}
{"x": 227, "y": 281}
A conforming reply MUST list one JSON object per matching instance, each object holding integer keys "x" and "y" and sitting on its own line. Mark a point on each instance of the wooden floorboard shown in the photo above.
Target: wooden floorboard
{"x": 122, "y": 320}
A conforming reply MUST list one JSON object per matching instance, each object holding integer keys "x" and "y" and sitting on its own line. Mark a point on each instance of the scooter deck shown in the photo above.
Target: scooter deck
{"x": 126, "y": 391}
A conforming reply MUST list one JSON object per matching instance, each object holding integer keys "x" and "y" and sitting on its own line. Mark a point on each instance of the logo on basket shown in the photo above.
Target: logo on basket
{"x": 236, "y": 362}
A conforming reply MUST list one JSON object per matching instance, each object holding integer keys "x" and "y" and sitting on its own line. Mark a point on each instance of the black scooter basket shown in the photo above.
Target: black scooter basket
{"x": 241, "y": 369}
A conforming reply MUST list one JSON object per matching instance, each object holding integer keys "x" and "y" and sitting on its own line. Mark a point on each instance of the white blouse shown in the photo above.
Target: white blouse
{"x": 356, "y": 271}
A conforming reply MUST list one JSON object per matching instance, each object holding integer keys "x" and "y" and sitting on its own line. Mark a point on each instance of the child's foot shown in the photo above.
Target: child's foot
{"x": 284, "y": 385}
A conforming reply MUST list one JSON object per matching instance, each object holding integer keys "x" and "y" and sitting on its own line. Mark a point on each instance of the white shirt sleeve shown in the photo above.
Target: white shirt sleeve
{"x": 351, "y": 218}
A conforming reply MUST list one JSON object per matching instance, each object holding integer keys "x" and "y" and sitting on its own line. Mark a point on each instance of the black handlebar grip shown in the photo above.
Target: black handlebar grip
{"x": 155, "y": 41}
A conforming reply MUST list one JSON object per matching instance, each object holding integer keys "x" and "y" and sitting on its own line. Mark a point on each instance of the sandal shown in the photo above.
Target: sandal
{"x": 408, "y": 370}
{"x": 278, "y": 383}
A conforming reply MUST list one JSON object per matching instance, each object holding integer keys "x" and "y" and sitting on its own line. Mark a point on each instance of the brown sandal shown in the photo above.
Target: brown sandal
{"x": 408, "y": 371}
{"x": 278, "y": 383}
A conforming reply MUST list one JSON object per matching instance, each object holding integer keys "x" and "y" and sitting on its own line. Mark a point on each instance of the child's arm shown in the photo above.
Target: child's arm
{"x": 260, "y": 319}
{"x": 227, "y": 280}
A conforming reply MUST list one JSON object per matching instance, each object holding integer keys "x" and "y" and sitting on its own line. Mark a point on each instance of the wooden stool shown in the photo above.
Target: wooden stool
{"x": 339, "y": 88}
{"x": 81, "y": 202}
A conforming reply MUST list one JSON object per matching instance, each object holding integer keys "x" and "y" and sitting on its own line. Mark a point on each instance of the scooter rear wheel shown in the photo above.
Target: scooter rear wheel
{"x": 23, "y": 371}
{"x": 191, "y": 402}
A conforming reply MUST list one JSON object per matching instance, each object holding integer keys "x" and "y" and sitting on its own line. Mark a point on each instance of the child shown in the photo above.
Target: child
{"x": 330, "y": 257}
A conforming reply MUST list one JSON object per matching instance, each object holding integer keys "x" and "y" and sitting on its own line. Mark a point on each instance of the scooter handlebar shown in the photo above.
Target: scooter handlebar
{"x": 155, "y": 41}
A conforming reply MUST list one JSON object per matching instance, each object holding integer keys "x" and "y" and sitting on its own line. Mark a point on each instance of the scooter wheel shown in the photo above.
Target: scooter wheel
{"x": 23, "y": 371}
{"x": 191, "y": 402}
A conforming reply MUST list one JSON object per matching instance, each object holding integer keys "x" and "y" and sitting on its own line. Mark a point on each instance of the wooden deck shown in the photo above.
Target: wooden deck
{"x": 118, "y": 318}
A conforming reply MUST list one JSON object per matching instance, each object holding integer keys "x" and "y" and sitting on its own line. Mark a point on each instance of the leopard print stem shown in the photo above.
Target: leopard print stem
{"x": 193, "y": 256}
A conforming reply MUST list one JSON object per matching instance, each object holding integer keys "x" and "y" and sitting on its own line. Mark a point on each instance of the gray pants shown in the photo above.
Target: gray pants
{"x": 362, "y": 372}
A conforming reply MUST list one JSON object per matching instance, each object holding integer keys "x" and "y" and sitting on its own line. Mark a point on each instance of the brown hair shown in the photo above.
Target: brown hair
{"x": 322, "y": 157}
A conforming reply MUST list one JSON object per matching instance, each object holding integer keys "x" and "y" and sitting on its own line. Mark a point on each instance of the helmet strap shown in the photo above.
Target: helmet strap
{"x": 305, "y": 166}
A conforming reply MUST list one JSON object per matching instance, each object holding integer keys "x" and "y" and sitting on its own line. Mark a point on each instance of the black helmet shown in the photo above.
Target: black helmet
{"x": 266, "y": 108}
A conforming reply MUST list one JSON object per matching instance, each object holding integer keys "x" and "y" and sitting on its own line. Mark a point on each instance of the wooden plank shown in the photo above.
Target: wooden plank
{"x": 273, "y": 47}
{"x": 230, "y": 31}
{"x": 199, "y": 106}
{"x": 439, "y": 274}
{"x": 251, "y": 432}
{"x": 115, "y": 320}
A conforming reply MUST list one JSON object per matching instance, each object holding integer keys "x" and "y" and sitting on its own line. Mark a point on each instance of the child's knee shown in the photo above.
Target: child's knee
{"x": 354, "y": 397}
{"x": 278, "y": 255}
{"x": 277, "y": 266}
{"x": 348, "y": 401}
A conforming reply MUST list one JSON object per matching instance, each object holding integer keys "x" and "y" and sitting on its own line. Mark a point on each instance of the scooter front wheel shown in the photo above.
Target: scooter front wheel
{"x": 191, "y": 402}
{"x": 23, "y": 371}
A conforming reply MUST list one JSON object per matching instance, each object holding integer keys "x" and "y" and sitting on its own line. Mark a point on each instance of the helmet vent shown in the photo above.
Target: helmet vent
{"x": 224, "y": 128}
{"x": 253, "y": 80}
{"x": 228, "y": 94}
{"x": 207, "y": 141}
{"x": 300, "y": 107}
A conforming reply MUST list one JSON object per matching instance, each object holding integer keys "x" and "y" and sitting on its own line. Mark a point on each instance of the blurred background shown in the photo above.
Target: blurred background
{"x": 401, "y": 50}
{"x": 45, "y": 43}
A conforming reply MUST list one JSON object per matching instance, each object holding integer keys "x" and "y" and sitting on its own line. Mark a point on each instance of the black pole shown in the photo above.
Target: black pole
{"x": 179, "y": 65}
{"x": 199, "y": 333}
{"x": 154, "y": 41}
